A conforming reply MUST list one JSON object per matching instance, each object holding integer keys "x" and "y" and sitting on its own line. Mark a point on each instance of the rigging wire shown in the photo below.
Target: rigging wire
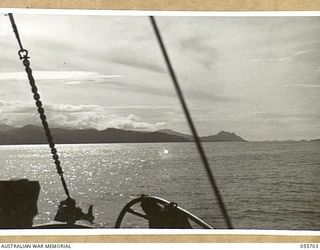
{"x": 191, "y": 124}
{"x": 23, "y": 55}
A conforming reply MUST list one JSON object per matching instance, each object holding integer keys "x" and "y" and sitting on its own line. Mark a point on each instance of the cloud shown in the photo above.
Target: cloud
{"x": 201, "y": 50}
{"x": 210, "y": 55}
{"x": 198, "y": 44}
{"x": 300, "y": 55}
{"x": 207, "y": 96}
{"x": 303, "y": 85}
{"x": 285, "y": 118}
{"x": 72, "y": 116}
{"x": 132, "y": 122}
{"x": 67, "y": 77}
{"x": 137, "y": 62}
{"x": 73, "y": 82}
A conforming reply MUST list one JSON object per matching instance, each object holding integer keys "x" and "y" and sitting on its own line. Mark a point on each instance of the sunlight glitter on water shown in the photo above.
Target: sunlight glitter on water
{"x": 264, "y": 185}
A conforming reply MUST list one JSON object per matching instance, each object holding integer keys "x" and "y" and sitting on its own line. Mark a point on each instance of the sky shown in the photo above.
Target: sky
{"x": 255, "y": 76}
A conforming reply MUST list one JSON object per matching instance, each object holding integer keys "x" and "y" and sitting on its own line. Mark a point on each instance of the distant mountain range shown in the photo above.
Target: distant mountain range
{"x": 4, "y": 127}
{"x": 220, "y": 137}
{"x": 35, "y": 135}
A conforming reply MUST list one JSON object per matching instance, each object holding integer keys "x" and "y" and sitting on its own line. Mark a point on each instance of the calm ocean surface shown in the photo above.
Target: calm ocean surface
{"x": 265, "y": 185}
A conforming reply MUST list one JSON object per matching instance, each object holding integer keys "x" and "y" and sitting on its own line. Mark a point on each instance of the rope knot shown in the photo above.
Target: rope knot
{"x": 23, "y": 54}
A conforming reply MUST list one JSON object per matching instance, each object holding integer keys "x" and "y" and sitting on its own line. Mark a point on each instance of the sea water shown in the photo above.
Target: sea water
{"x": 264, "y": 185}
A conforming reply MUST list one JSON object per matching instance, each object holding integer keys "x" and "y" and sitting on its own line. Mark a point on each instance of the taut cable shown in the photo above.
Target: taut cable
{"x": 191, "y": 124}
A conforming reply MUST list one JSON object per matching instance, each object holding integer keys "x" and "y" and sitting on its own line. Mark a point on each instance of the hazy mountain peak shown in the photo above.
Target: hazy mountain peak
{"x": 31, "y": 127}
{"x": 5, "y": 127}
{"x": 221, "y": 136}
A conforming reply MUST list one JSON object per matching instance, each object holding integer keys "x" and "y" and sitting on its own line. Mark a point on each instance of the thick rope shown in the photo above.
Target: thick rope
{"x": 23, "y": 54}
{"x": 191, "y": 124}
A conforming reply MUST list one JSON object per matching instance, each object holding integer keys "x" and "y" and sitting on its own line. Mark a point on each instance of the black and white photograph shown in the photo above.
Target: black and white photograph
{"x": 159, "y": 121}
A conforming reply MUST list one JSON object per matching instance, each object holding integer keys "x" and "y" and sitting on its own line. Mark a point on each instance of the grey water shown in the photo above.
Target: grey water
{"x": 265, "y": 185}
